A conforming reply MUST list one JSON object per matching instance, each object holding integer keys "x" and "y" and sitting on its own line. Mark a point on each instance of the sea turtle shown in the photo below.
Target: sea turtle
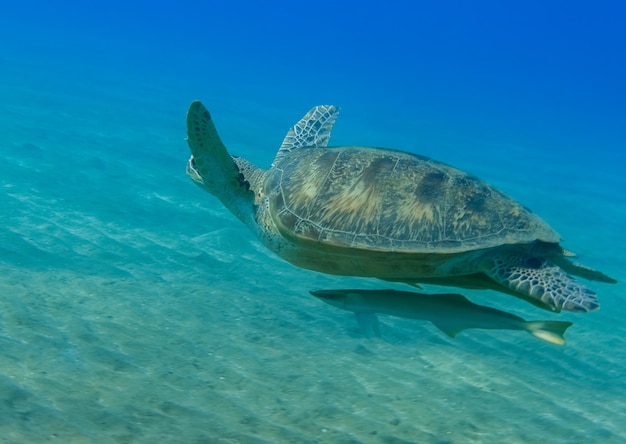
{"x": 373, "y": 212}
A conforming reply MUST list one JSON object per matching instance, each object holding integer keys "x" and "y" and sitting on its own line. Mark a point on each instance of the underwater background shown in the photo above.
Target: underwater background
{"x": 135, "y": 308}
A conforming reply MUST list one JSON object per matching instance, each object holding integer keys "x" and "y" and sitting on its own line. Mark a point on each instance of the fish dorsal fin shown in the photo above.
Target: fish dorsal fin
{"x": 453, "y": 298}
{"x": 449, "y": 329}
{"x": 312, "y": 130}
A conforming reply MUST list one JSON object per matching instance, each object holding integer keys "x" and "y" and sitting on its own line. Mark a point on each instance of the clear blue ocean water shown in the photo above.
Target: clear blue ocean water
{"x": 135, "y": 308}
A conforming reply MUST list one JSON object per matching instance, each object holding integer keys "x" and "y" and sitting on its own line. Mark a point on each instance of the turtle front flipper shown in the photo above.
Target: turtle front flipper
{"x": 535, "y": 278}
{"x": 212, "y": 167}
{"x": 313, "y": 130}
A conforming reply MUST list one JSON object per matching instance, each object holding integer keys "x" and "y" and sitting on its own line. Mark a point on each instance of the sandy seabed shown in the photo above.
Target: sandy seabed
{"x": 134, "y": 308}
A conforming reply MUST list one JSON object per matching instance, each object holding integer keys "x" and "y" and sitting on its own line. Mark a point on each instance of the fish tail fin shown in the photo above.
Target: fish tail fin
{"x": 550, "y": 331}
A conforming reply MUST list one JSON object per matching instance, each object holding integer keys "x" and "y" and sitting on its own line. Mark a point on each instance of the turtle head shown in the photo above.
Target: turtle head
{"x": 233, "y": 180}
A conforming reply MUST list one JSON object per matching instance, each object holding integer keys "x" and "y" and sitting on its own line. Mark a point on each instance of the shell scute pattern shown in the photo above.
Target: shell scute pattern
{"x": 390, "y": 201}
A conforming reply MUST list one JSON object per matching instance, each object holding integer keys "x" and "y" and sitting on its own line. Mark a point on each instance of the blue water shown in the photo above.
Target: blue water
{"x": 135, "y": 308}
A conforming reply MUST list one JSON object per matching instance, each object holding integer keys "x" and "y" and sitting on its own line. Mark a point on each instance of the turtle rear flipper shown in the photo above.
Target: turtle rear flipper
{"x": 536, "y": 278}
{"x": 582, "y": 270}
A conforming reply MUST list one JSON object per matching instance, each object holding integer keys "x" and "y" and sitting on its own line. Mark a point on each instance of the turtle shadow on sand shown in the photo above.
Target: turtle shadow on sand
{"x": 386, "y": 214}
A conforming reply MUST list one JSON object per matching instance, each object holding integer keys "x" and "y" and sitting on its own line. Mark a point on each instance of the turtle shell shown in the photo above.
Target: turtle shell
{"x": 383, "y": 200}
